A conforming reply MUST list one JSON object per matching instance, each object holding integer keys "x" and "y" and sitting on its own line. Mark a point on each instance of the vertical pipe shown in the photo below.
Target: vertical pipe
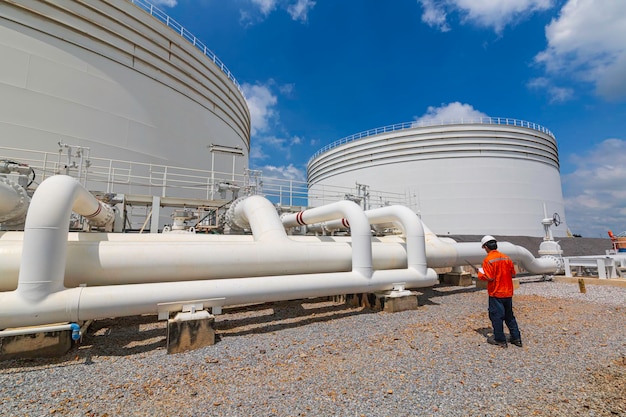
{"x": 42, "y": 267}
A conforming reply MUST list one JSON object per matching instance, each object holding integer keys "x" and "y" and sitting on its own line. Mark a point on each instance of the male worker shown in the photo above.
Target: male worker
{"x": 498, "y": 270}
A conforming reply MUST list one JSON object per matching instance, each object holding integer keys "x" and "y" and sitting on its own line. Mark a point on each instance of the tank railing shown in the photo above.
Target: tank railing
{"x": 414, "y": 124}
{"x": 127, "y": 177}
{"x": 178, "y": 28}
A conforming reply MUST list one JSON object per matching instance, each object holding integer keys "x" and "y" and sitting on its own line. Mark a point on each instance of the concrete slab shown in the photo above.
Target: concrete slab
{"x": 189, "y": 331}
{"x": 36, "y": 345}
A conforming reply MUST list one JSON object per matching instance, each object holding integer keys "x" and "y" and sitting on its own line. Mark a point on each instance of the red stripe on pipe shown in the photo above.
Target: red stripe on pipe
{"x": 345, "y": 223}
{"x": 95, "y": 213}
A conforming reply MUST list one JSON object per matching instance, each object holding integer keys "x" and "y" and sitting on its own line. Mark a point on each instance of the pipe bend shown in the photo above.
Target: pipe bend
{"x": 260, "y": 215}
{"x": 521, "y": 255}
{"x": 42, "y": 267}
{"x": 359, "y": 229}
{"x": 412, "y": 228}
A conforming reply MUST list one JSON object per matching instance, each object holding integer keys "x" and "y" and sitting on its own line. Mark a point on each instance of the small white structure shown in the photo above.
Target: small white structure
{"x": 490, "y": 175}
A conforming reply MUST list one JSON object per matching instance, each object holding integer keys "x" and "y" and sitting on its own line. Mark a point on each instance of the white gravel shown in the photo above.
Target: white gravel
{"x": 319, "y": 358}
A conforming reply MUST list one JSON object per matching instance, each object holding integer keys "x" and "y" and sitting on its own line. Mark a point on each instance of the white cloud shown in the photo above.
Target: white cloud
{"x": 594, "y": 194}
{"x": 261, "y": 103}
{"x": 300, "y": 9}
{"x": 265, "y": 6}
{"x": 286, "y": 172}
{"x": 434, "y": 15}
{"x": 555, "y": 93}
{"x": 449, "y": 112}
{"x": 268, "y": 138}
{"x": 586, "y": 42}
{"x": 167, "y": 3}
{"x": 495, "y": 14}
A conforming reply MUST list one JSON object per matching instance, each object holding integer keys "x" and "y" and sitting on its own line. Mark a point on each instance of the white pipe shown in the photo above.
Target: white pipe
{"x": 444, "y": 252}
{"x": 412, "y": 228}
{"x": 120, "y": 258}
{"x": 75, "y": 328}
{"x": 45, "y": 233}
{"x": 359, "y": 229}
{"x": 88, "y": 303}
{"x": 258, "y": 214}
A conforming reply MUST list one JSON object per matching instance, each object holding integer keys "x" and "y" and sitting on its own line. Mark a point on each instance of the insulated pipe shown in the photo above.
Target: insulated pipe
{"x": 443, "y": 252}
{"x": 412, "y": 228}
{"x": 261, "y": 217}
{"x": 45, "y": 234}
{"x": 123, "y": 258}
{"x": 89, "y": 303}
{"x": 359, "y": 229}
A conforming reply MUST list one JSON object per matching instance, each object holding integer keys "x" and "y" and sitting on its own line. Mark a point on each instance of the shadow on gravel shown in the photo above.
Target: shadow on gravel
{"x": 108, "y": 337}
{"x": 441, "y": 290}
{"x": 271, "y": 317}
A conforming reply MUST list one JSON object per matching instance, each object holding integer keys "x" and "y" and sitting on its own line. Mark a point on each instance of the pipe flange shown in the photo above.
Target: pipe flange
{"x": 232, "y": 220}
{"x": 558, "y": 261}
{"x": 17, "y": 214}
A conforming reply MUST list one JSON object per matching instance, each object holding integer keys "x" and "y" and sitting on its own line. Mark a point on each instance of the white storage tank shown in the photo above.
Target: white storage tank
{"x": 111, "y": 76}
{"x": 491, "y": 175}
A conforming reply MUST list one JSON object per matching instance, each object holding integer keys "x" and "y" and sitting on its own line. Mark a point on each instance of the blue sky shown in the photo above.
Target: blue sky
{"x": 316, "y": 71}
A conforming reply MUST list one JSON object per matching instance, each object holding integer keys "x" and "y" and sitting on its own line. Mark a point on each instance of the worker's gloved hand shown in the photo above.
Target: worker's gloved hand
{"x": 482, "y": 271}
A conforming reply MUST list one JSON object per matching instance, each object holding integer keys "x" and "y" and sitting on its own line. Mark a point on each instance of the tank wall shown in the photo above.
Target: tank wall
{"x": 462, "y": 181}
{"x": 110, "y": 77}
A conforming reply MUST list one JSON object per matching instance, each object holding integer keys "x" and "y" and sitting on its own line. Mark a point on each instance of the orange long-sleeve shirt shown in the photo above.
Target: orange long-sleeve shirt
{"x": 499, "y": 272}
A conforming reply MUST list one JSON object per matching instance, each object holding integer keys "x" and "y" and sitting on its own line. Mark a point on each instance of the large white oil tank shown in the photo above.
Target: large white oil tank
{"x": 491, "y": 175}
{"x": 120, "y": 78}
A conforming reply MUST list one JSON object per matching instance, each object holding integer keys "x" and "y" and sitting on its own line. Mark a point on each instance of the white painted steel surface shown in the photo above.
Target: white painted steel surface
{"x": 487, "y": 176}
{"x": 41, "y": 296}
{"x": 106, "y": 75}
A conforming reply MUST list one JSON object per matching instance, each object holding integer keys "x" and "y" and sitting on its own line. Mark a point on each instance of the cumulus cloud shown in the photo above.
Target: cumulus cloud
{"x": 594, "y": 192}
{"x": 586, "y": 42}
{"x": 495, "y": 14}
{"x": 261, "y": 103}
{"x": 285, "y": 172}
{"x": 449, "y": 112}
{"x": 268, "y": 137}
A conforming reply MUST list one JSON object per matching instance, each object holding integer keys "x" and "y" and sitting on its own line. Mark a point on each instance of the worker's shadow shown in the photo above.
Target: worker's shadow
{"x": 484, "y": 331}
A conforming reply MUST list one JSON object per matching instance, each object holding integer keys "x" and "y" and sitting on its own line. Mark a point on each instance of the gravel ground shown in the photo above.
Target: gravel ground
{"x": 320, "y": 358}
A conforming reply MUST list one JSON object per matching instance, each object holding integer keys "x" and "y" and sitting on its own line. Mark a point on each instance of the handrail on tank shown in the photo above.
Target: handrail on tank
{"x": 410, "y": 125}
{"x": 178, "y": 28}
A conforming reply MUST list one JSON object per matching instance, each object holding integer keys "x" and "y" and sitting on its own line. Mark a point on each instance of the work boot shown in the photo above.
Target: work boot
{"x": 516, "y": 342}
{"x": 501, "y": 343}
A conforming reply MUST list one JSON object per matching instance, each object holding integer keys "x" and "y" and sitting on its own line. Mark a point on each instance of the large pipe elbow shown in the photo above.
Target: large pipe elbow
{"x": 260, "y": 215}
{"x": 543, "y": 265}
{"x": 359, "y": 229}
{"x": 42, "y": 266}
{"x": 413, "y": 230}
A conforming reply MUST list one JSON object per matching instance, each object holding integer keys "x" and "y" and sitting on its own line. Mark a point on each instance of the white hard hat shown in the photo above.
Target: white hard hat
{"x": 486, "y": 239}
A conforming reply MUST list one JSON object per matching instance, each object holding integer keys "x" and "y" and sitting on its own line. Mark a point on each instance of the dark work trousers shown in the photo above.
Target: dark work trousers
{"x": 501, "y": 311}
